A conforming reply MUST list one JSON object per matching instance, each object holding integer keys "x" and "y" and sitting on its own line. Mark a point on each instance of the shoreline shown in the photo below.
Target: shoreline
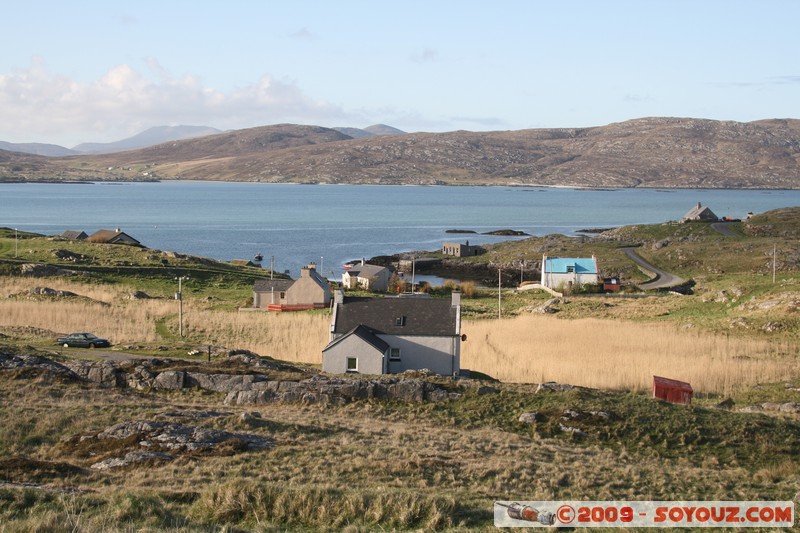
{"x": 599, "y": 188}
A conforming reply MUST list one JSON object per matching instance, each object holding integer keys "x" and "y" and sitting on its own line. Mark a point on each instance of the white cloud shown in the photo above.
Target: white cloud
{"x": 40, "y": 106}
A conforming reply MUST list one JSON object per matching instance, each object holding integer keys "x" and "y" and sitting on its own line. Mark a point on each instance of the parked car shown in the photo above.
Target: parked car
{"x": 82, "y": 340}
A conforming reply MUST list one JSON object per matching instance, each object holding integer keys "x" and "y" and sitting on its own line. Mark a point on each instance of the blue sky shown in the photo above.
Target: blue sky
{"x": 94, "y": 71}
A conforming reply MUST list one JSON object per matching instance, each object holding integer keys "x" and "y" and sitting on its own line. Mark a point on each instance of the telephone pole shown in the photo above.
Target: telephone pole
{"x": 179, "y": 297}
{"x": 499, "y": 286}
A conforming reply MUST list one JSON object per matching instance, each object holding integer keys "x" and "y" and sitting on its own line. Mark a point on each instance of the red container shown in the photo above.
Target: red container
{"x": 672, "y": 390}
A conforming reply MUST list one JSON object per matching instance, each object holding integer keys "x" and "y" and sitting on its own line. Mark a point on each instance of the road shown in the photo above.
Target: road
{"x": 724, "y": 229}
{"x": 662, "y": 280}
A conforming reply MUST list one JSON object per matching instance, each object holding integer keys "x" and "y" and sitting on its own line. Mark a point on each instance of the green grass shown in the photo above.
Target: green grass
{"x": 151, "y": 271}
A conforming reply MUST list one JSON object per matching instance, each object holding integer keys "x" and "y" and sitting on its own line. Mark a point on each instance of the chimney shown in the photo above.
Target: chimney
{"x": 456, "y": 298}
{"x": 117, "y": 230}
{"x": 363, "y": 261}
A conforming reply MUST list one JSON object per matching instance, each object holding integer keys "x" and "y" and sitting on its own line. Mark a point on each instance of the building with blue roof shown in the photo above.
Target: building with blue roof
{"x": 567, "y": 273}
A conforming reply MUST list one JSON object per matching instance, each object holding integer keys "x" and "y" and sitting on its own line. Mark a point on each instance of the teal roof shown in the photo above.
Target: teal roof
{"x": 580, "y": 265}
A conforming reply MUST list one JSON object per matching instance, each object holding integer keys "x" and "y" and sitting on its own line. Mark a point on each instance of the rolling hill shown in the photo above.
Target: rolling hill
{"x": 647, "y": 152}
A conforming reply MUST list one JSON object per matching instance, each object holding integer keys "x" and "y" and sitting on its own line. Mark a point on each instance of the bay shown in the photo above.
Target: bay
{"x": 332, "y": 224}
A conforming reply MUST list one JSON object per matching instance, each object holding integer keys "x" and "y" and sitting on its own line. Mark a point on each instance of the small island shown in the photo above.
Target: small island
{"x": 507, "y": 233}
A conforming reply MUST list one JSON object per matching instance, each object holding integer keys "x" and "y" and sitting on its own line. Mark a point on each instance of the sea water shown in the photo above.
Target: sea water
{"x": 333, "y": 224}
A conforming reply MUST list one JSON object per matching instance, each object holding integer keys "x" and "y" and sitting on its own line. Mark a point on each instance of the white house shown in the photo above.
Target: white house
{"x": 394, "y": 334}
{"x": 367, "y": 277}
{"x": 569, "y": 272}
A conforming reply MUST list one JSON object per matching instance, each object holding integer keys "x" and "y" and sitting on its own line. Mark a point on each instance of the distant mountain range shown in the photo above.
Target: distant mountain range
{"x": 647, "y": 152}
{"x": 159, "y": 135}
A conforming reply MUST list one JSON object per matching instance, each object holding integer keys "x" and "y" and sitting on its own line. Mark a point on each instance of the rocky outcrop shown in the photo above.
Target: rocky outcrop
{"x": 36, "y": 364}
{"x": 327, "y": 390}
{"x": 40, "y": 271}
{"x": 106, "y": 374}
{"x": 160, "y": 441}
{"x": 788, "y": 407}
{"x": 249, "y": 387}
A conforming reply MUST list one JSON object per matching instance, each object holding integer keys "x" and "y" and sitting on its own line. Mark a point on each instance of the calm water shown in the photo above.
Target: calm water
{"x": 333, "y": 224}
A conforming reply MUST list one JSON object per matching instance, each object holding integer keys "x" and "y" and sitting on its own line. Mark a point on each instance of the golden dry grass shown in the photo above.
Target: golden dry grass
{"x": 610, "y": 354}
{"x": 597, "y": 353}
{"x": 296, "y": 337}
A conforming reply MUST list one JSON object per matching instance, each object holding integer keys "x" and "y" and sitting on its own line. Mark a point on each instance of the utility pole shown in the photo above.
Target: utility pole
{"x": 271, "y": 267}
{"x": 179, "y": 297}
{"x": 521, "y": 270}
{"x": 16, "y": 243}
{"x": 321, "y": 263}
{"x": 774, "y": 261}
{"x": 413, "y": 271}
{"x": 499, "y": 285}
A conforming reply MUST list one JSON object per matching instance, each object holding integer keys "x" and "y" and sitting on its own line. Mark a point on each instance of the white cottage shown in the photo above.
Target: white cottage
{"x": 569, "y": 272}
{"x": 394, "y": 334}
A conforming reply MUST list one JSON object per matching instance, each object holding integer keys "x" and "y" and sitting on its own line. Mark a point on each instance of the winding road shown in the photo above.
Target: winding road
{"x": 662, "y": 280}
{"x": 724, "y": 228}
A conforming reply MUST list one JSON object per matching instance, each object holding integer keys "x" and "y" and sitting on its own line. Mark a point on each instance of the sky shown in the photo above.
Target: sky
{"x": 101, "y": 71}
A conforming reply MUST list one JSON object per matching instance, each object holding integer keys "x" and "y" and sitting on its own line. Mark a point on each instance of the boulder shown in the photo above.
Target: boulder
{"x": 132, "y": 458}
{"x": 407, "y": 390}
{"x": 790, "y": 407}
{"x": 53, "y": 293}
{"x": 552, "y": 386}
{"x": 529, "y": 418}
{"x": 170, "y": 380}
{"x": 139, "y": 295}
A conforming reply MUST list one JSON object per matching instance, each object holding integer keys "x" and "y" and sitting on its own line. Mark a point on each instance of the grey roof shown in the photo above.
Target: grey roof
{"x": 700, "y": 212}
{"x": 74, "y": 234}
{"x": 365, "y": 271}
{"x": 268, "y": 285}
{"x": 364, "y": 333}
{"x": 423, "y": 316}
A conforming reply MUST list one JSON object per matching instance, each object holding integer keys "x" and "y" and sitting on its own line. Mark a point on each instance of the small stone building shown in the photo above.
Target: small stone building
{"x": 309, "y": 291}
{"x": 456, "y": 249}
{"x": 700, "y": 213}
{"x": 74, "y": 235}
{"x": 115, "y": 236}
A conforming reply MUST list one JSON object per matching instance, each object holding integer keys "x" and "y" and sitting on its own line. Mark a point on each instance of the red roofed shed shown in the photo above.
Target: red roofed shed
{"x": 672, "y": 390}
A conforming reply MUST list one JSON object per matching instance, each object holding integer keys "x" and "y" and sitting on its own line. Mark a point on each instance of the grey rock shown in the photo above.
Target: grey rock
{"x": 575, "y": 431}
{"x": 751, "y": 409}
{"x": 553, "y": 386}
{"x": 529, "y": 418}
{"x": 790, "y": 407}
{"x": 53, "y": 293}
{"x": 132, "y": 458}
{"x": 170, "y": 380}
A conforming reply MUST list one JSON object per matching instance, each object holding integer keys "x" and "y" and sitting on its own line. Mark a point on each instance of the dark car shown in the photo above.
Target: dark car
{"x": 82, "y": 340}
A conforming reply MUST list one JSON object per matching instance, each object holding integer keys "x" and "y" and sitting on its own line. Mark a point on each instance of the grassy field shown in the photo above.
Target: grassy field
{"x": 374, "y": 465}
{"x": 378, "y": 465}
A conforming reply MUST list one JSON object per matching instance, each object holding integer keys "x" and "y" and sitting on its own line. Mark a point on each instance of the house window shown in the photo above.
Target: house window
{"x": 352, "y": 364}
{"x": 570, "y": 269}
{"x": 394, "y": 354}
{"x": 400, "y": 321}
{"x": 283, "y": 295}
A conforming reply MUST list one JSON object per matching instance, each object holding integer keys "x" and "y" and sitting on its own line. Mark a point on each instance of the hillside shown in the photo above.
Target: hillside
{"x": 648, "y": 152}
